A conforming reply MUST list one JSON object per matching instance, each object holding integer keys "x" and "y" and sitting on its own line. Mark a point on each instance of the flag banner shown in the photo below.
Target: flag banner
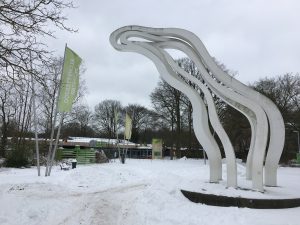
{"x": 157, "y": 148}
{"x": 69, "y": 81}
{"x": 128, "y": 127}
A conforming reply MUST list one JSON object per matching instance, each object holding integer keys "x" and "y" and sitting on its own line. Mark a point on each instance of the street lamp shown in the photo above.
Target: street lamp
{"x": 298, "y": 140}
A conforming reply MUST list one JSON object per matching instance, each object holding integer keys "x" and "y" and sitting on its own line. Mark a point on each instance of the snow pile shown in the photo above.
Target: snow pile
{"x": 136, "y": 193}
{"x": 183, "y": 158}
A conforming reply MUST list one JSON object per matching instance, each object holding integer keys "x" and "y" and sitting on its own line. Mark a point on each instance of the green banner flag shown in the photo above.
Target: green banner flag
{"x": 128, "y": 127}
{"x": 69, "y": 81}
{"x": 157, "y": 148}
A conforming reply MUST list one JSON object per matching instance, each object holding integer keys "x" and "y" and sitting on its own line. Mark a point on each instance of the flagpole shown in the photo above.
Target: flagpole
{"x": 125, "y": 146}
{"x": 124, "y": 152}
{"x": 118, "y": 146}
{"x": 35, "y": 123}
{"x": 50, "y": 152}
{"x": 51, "y": 142}
{"x": 56, "y": 143}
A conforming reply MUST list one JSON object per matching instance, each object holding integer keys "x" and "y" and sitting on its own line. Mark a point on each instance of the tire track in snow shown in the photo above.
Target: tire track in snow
{"x": 103, "y": 207}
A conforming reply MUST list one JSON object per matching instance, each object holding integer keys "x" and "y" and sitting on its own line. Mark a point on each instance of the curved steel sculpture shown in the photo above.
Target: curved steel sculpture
{"x": 259, "y": 110}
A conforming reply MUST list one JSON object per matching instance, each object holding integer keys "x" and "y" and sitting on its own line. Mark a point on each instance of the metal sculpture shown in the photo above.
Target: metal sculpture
{"x": 259, "y": 110}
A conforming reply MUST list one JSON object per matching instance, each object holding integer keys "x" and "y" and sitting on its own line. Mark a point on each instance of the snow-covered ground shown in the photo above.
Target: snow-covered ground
{"x": 136, "y": 193}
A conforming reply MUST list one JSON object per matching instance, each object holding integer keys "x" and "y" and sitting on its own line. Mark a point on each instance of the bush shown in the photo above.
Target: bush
{"x": 2, "y": 162}
{"x": 20, "y": 155}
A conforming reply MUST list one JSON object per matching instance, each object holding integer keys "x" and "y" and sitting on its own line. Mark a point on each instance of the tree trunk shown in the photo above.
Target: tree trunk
{"x": 190, "y": 122}
{"x": 3, "y": 138}
{"x": 178, "y": 121}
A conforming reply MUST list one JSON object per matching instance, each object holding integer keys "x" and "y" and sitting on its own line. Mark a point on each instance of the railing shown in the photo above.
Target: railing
{"x": 83, "y": 156}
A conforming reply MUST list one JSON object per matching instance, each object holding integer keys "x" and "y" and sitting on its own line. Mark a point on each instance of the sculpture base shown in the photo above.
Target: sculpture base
{"x": 226, "y": 201}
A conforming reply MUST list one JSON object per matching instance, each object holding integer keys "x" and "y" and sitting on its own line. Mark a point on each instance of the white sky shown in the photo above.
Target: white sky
{"x": 253, "y": 37}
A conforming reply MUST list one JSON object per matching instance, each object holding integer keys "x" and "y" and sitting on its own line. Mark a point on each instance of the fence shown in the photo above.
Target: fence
{"x": 83, "y": 156}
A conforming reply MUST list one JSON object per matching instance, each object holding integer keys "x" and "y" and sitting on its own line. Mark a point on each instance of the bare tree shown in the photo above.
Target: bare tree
{"x": 48, "y": 93}
{"x": 284, "y": 91}
{"x": 104, "y": 117}
{"x": 167, "y": 102}
{"x": 141, "y": 120}
{"x": 176, "y": 109}
{"x": 23, "y": 26}
{"x": 7, "y": 113}
{"x": 79, "y": 123}
{"x": 16, "y": 105}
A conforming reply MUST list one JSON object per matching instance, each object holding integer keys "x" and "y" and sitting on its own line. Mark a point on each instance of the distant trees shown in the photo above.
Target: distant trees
{"x": 142, "y": 120}
{"x": 284, "y": 91}
{"x": 105, "y": 118}
{"x": 175, "y": 111}
{"x": 238, "y": 129}
{"x": 171, "y": 118}
{"x": 167, "y": 102}
{"x": 109, "y": 119}
{"x": 78, "y": 122}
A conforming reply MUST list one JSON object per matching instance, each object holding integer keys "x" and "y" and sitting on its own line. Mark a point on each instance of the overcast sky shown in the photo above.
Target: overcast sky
{"x": 253, "y": 37}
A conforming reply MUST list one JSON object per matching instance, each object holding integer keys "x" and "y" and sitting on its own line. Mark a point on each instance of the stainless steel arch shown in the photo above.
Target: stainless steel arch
{"x": 233, "y": 92}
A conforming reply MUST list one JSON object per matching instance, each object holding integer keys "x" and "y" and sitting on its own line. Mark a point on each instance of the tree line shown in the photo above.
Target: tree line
{"x": 175, "y": 111}
{"x": 170, "y": 117}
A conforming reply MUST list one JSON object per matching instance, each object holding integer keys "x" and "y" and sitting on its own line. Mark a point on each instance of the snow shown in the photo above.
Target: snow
{"x": 102, "y": 140}
{"x": 136, "y": 193}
